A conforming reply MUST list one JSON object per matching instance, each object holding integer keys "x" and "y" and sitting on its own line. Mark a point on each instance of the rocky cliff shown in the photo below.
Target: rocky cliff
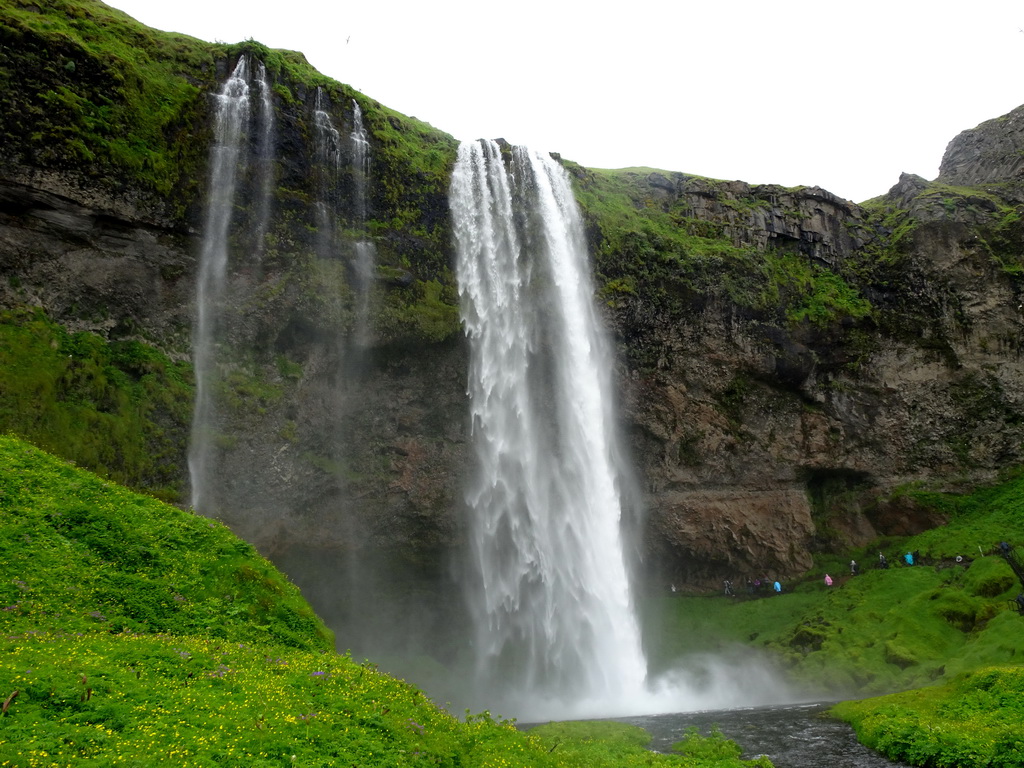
{"x": 790, "y": 363}
{"x": 765, "y": 434}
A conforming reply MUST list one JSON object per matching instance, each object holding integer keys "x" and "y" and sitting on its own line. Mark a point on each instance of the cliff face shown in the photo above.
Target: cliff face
{"x": 789, "y": 360}
{"x": 763, "y": 439}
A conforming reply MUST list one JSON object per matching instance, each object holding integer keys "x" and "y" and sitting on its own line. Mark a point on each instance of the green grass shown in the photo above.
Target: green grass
{"x": 82, "y": 555}
{"x": 973, "y": 721}
{"x": 982, "y": 518}
{"x": 877, "y": 632}
{"x": 133, "y": 633}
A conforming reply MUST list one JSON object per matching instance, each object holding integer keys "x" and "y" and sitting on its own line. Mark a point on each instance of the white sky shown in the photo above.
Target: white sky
{"x": 845, "y": 95}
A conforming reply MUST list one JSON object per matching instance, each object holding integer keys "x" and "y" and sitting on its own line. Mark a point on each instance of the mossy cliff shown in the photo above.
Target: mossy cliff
{"x": 789, "y": 360}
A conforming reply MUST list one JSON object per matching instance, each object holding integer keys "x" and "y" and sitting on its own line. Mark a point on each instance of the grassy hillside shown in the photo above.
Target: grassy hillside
{"x": 947, "y": 630}
{"x": 881, "y": 630}
{"x": 134, "y": 630}
{"x": 135, "y": 634}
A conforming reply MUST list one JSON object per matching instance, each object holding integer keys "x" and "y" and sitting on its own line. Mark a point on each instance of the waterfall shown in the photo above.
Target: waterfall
{"x": 556, "y": 629}
{"x": 360, "y": 142}
{"x": 265, "y": 152}
{"x": 231, "y": 114}
{"x": 366, "y": 255}
{"x": 327, "y": 147}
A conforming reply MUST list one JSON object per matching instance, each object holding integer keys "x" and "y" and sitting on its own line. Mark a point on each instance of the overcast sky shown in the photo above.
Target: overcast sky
{"x": 845, "y": 95}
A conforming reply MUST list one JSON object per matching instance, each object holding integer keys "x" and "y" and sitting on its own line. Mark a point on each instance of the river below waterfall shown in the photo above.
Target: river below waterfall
{"x": 791, "y": 735}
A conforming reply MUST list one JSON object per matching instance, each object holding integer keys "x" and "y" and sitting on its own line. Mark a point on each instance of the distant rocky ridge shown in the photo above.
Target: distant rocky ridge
{"x": 991, "y": 153}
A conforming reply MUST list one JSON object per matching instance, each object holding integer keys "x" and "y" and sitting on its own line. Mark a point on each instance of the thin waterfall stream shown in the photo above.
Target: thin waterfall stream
{"x": 327, "y": 144}
{"x": 365, "y": 253}
{"x": 265, "y": 153}
{"x": 232, "y": 109}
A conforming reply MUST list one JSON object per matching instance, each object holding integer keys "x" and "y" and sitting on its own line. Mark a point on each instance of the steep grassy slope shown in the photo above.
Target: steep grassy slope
{"x": 82, "y": 555}
{"x": 135, "y": 634}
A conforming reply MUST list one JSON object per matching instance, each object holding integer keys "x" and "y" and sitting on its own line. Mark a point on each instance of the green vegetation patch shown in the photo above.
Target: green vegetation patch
{"x": 84, "y": 86}
{"x": 881, "y": 630}
{"x": 973, "y": 721}
{"x": 188, "y": 701}
{"x": 604, "y": 744}
{"x": 977, "y": 521}
{"x": 81, "y": 555}
{"x": 425, "y": 311}
{"x": 120, "y": 408}
{"x": 876, "y": 632}
{"x": 810, "y": 293}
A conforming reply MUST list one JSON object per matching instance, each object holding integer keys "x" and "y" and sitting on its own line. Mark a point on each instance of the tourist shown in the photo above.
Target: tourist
{"x": 828, "y": 580}
{"x": 908, "y": 558}
{"x": 777, "y": 587}
{"x": 853, "y": 567}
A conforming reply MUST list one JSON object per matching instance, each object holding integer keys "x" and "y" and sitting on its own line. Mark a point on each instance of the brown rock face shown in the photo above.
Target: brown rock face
{"x": 762, "y": 441}
{"x": 734, "y": 531}
{"x": 92, "y": 262}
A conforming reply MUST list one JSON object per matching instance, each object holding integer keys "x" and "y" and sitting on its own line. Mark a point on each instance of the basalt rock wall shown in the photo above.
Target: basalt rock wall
{"x": 762, "y": 440}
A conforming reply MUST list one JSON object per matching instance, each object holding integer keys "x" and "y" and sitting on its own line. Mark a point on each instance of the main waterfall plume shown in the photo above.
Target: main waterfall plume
{"x": 556, "y": 629}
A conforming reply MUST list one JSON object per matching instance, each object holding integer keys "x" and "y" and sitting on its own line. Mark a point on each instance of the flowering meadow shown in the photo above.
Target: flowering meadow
{"x": 135, "y": 634}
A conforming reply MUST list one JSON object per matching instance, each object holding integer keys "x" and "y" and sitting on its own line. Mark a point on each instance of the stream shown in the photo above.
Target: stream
{"x": 792, "y": 736}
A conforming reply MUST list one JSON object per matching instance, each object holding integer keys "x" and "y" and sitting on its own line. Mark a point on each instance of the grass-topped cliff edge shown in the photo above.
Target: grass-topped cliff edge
{"x": 135, "y": 634}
